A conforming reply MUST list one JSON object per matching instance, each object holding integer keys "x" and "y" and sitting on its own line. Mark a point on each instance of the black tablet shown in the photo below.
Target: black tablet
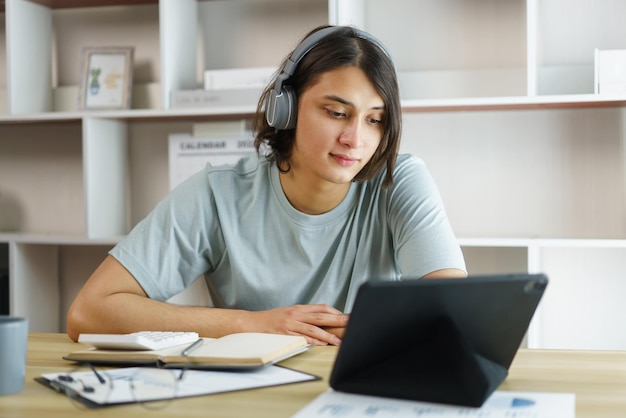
{"x": 440, "y": 340}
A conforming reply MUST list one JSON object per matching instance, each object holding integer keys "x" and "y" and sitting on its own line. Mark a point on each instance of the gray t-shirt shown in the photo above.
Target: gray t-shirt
{"x": 235, "y": 226}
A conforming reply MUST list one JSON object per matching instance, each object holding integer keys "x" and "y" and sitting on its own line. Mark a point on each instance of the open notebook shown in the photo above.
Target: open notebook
{"x": 246, "y": 350}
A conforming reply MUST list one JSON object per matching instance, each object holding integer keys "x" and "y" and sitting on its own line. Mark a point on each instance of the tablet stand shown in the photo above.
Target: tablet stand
{"x": 437, "y": 366}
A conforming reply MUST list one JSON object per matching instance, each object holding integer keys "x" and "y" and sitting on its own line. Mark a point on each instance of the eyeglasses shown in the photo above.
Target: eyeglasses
{"x": 84, "y": 387}
{"x": 153, "y": 388}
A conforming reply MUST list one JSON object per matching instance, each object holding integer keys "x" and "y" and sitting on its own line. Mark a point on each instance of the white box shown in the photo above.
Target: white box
{"x": 610, "y": 71}
{"x": 238, "y": 78}
{"x": 220, "y": 128}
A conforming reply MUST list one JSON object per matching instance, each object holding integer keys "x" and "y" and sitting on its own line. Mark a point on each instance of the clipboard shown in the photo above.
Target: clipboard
{"x": 194, "y": 383}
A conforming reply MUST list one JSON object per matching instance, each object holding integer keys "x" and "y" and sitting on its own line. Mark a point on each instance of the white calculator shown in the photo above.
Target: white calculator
{"x": 142, "y": 340}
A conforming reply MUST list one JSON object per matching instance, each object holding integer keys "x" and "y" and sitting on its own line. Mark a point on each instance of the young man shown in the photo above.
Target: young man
{"x": 285, "y": 240}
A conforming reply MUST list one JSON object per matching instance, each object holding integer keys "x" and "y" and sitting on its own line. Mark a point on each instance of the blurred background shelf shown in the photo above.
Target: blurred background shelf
{"x": 498, "y": 99}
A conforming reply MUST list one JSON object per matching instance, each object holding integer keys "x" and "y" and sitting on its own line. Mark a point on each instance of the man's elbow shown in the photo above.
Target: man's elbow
{"x": 75, "y": 321}
{"x": 451, "y": 273}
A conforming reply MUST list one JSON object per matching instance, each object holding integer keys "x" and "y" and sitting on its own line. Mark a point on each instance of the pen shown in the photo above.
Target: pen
{"x": 192, "y": 347}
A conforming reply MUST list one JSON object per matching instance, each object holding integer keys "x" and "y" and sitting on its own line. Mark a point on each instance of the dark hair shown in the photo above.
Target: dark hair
{"x": 341, "y": 48}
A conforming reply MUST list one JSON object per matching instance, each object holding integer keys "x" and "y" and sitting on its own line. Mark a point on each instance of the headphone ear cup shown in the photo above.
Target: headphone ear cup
{"x": 281, "y": 109}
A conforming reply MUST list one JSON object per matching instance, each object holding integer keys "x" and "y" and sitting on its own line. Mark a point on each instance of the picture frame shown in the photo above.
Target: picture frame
{"x": 106, "y": 78}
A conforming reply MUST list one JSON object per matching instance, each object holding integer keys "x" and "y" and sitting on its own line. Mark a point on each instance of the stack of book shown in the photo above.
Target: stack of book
{"x": 610, "y": 71}
{"x": 222, "y": 88}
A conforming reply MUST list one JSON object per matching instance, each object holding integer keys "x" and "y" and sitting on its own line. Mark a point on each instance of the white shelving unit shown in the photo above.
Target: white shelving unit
{"x": 498, "y": 98}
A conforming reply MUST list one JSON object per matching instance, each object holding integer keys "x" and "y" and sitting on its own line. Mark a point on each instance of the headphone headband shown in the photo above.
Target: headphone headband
{"x": 281, "y": 104}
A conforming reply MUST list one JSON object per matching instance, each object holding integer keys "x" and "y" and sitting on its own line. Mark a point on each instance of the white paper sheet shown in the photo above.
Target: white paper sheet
{"x": 501, "y": 404}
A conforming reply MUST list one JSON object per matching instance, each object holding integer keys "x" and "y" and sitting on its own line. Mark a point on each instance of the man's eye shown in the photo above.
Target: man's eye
{"x": 336, "y": 114}
{"x": 375, "y": 121}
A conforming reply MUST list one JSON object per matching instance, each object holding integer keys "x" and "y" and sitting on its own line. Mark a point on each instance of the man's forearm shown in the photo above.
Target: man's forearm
{"x": 124, "y": 313}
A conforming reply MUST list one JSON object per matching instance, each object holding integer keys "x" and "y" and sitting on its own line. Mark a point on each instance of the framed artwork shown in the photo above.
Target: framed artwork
{"x": 106, "y": 78}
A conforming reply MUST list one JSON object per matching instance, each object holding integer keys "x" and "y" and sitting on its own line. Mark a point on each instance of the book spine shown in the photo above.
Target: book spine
{"x": 187, "y": 99}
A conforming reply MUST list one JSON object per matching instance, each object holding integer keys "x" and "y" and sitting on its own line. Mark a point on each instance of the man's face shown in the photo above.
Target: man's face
{"x": 339, "y": 127}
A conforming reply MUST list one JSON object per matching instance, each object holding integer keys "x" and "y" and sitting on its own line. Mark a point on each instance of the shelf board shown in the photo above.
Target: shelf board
{"x": 70, "y": 4}
{"x": 59, "y": 239}
{"x": 67, "y": 4}
{"x": 408, "y": 106}
{"x": 55, "y": 239}
{"x": 234, "y": 112}
{"x": 542, "y": 242}
{"x": 515, "y": 102}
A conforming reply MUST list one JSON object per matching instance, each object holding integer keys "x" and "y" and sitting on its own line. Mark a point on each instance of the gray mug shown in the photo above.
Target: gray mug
{"x": 13, "y": 343}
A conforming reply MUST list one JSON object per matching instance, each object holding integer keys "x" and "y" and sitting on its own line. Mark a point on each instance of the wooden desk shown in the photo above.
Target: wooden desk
{"x": 597, "y": 378}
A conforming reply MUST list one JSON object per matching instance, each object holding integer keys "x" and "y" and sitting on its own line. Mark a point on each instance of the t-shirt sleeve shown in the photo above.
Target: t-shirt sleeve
{"x": 169, "y": 249}
{"x": 423, "y": 237}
